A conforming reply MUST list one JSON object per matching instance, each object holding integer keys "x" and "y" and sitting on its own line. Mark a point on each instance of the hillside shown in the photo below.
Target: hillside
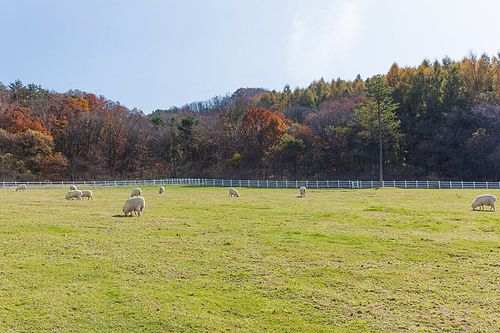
{"x": 445, "y": 126}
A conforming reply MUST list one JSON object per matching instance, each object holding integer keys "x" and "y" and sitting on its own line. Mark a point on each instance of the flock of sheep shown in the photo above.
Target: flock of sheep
{"x": 136, "y": 203}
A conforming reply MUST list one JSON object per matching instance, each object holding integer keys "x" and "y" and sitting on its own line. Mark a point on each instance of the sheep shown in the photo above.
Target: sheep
{"x": 72, "y": 188}
{"x": 74, "y": 194}
{"x": 87, "y": 194}
{"x": 232, "y": 192}
{"x": 484, "y": 200}
{"x": 162, "y": 189}
{"x": 21, "y": 187}
{"x": 135, "y": 192}
{"x": 136, "y": 205}
{"x": 302, "y": 191}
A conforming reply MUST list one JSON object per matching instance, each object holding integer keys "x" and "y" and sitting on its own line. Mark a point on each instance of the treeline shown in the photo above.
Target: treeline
{"x": 446, "y": 126}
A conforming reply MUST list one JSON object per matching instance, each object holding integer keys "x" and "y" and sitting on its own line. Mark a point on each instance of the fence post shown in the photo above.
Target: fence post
{"x": 486, "y": 185}
{"x": 451, "y": 186}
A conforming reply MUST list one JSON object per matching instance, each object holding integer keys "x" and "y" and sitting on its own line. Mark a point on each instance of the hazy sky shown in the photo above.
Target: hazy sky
{"x": 154, "y": 54}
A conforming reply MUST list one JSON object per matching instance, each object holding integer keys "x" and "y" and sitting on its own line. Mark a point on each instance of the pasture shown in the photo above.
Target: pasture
{"x": 197, "y": 260}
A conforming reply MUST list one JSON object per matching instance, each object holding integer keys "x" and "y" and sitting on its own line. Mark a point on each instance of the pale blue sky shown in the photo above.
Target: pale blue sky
{"x": 154, "y": 54}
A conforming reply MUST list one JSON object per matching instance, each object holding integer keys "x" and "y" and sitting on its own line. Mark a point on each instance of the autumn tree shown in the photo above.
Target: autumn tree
{"x": 7, "y": 159}
{"x": 19, "y": 119}
{"x": 262, "y": 131}
{"x": 33, "y": 147}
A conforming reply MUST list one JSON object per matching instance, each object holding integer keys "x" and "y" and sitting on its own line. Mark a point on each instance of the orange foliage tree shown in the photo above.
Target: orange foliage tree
{"x": 18, "y": 119}
{"x": 262, "y": 131}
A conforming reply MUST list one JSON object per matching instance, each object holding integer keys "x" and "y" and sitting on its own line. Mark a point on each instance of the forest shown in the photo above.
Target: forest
{"x": 443, "y": 124}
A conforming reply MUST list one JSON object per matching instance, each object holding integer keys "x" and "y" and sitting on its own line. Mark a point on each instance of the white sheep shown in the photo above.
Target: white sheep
{"x": 232, "y": 192}
{"x": 162, "y": 189}
{"x": 484, "y": 200}
{"x": 136, "y": 205}
{"x": 21, "y": 187}
{"x": 87, "y": 194}
{"x": 302, "y": 191}
{"x": 72, "y": 188}
{"x": 135, "y": 192}
{"x": 74, "y": 194}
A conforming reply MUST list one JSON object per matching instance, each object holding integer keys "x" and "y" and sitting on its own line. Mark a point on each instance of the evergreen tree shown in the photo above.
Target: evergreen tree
{"x": 377, "y": 116}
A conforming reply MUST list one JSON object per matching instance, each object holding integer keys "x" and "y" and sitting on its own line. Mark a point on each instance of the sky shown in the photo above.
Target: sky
{"x": 153, "y": 54}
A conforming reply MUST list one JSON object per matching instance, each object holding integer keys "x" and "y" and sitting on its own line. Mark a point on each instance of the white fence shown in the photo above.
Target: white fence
{"x": 351, "y": 184}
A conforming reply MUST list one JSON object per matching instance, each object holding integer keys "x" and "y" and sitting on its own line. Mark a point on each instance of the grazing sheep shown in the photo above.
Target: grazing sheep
{"x": 135, "y": 192}
{"x": 484, "y": 200}
{"x": 72, "y": 188}
{"x": 162, "y": 189}
{"x": 87, "y": 194}
{"x": 74, "y": 194}
{"x": 302, "y": 191}
{"x": 232, "y": 192}
{"x": 21, "y": 187}
{"x": 136, "y": 205}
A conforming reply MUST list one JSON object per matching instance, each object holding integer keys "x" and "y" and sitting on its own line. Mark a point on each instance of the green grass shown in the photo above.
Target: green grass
{"x": 269, "y": 261}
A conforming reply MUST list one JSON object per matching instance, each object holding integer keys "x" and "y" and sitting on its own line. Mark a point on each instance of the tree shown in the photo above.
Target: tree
{"x": 19, "y": 119}
{"x": 291, "y": 151}
{"x": 33, "y": 146}
{"x": 189, "y": 135}
{"x": 377, "y": 115}
{"x": 262, "y": 131}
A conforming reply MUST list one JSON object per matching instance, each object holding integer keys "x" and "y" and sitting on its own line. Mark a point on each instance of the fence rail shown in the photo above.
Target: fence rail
{"x": 348, "y": 184}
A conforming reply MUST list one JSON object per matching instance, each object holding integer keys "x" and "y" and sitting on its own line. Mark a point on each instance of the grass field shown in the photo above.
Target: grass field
{"x": 269, "y": 261}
